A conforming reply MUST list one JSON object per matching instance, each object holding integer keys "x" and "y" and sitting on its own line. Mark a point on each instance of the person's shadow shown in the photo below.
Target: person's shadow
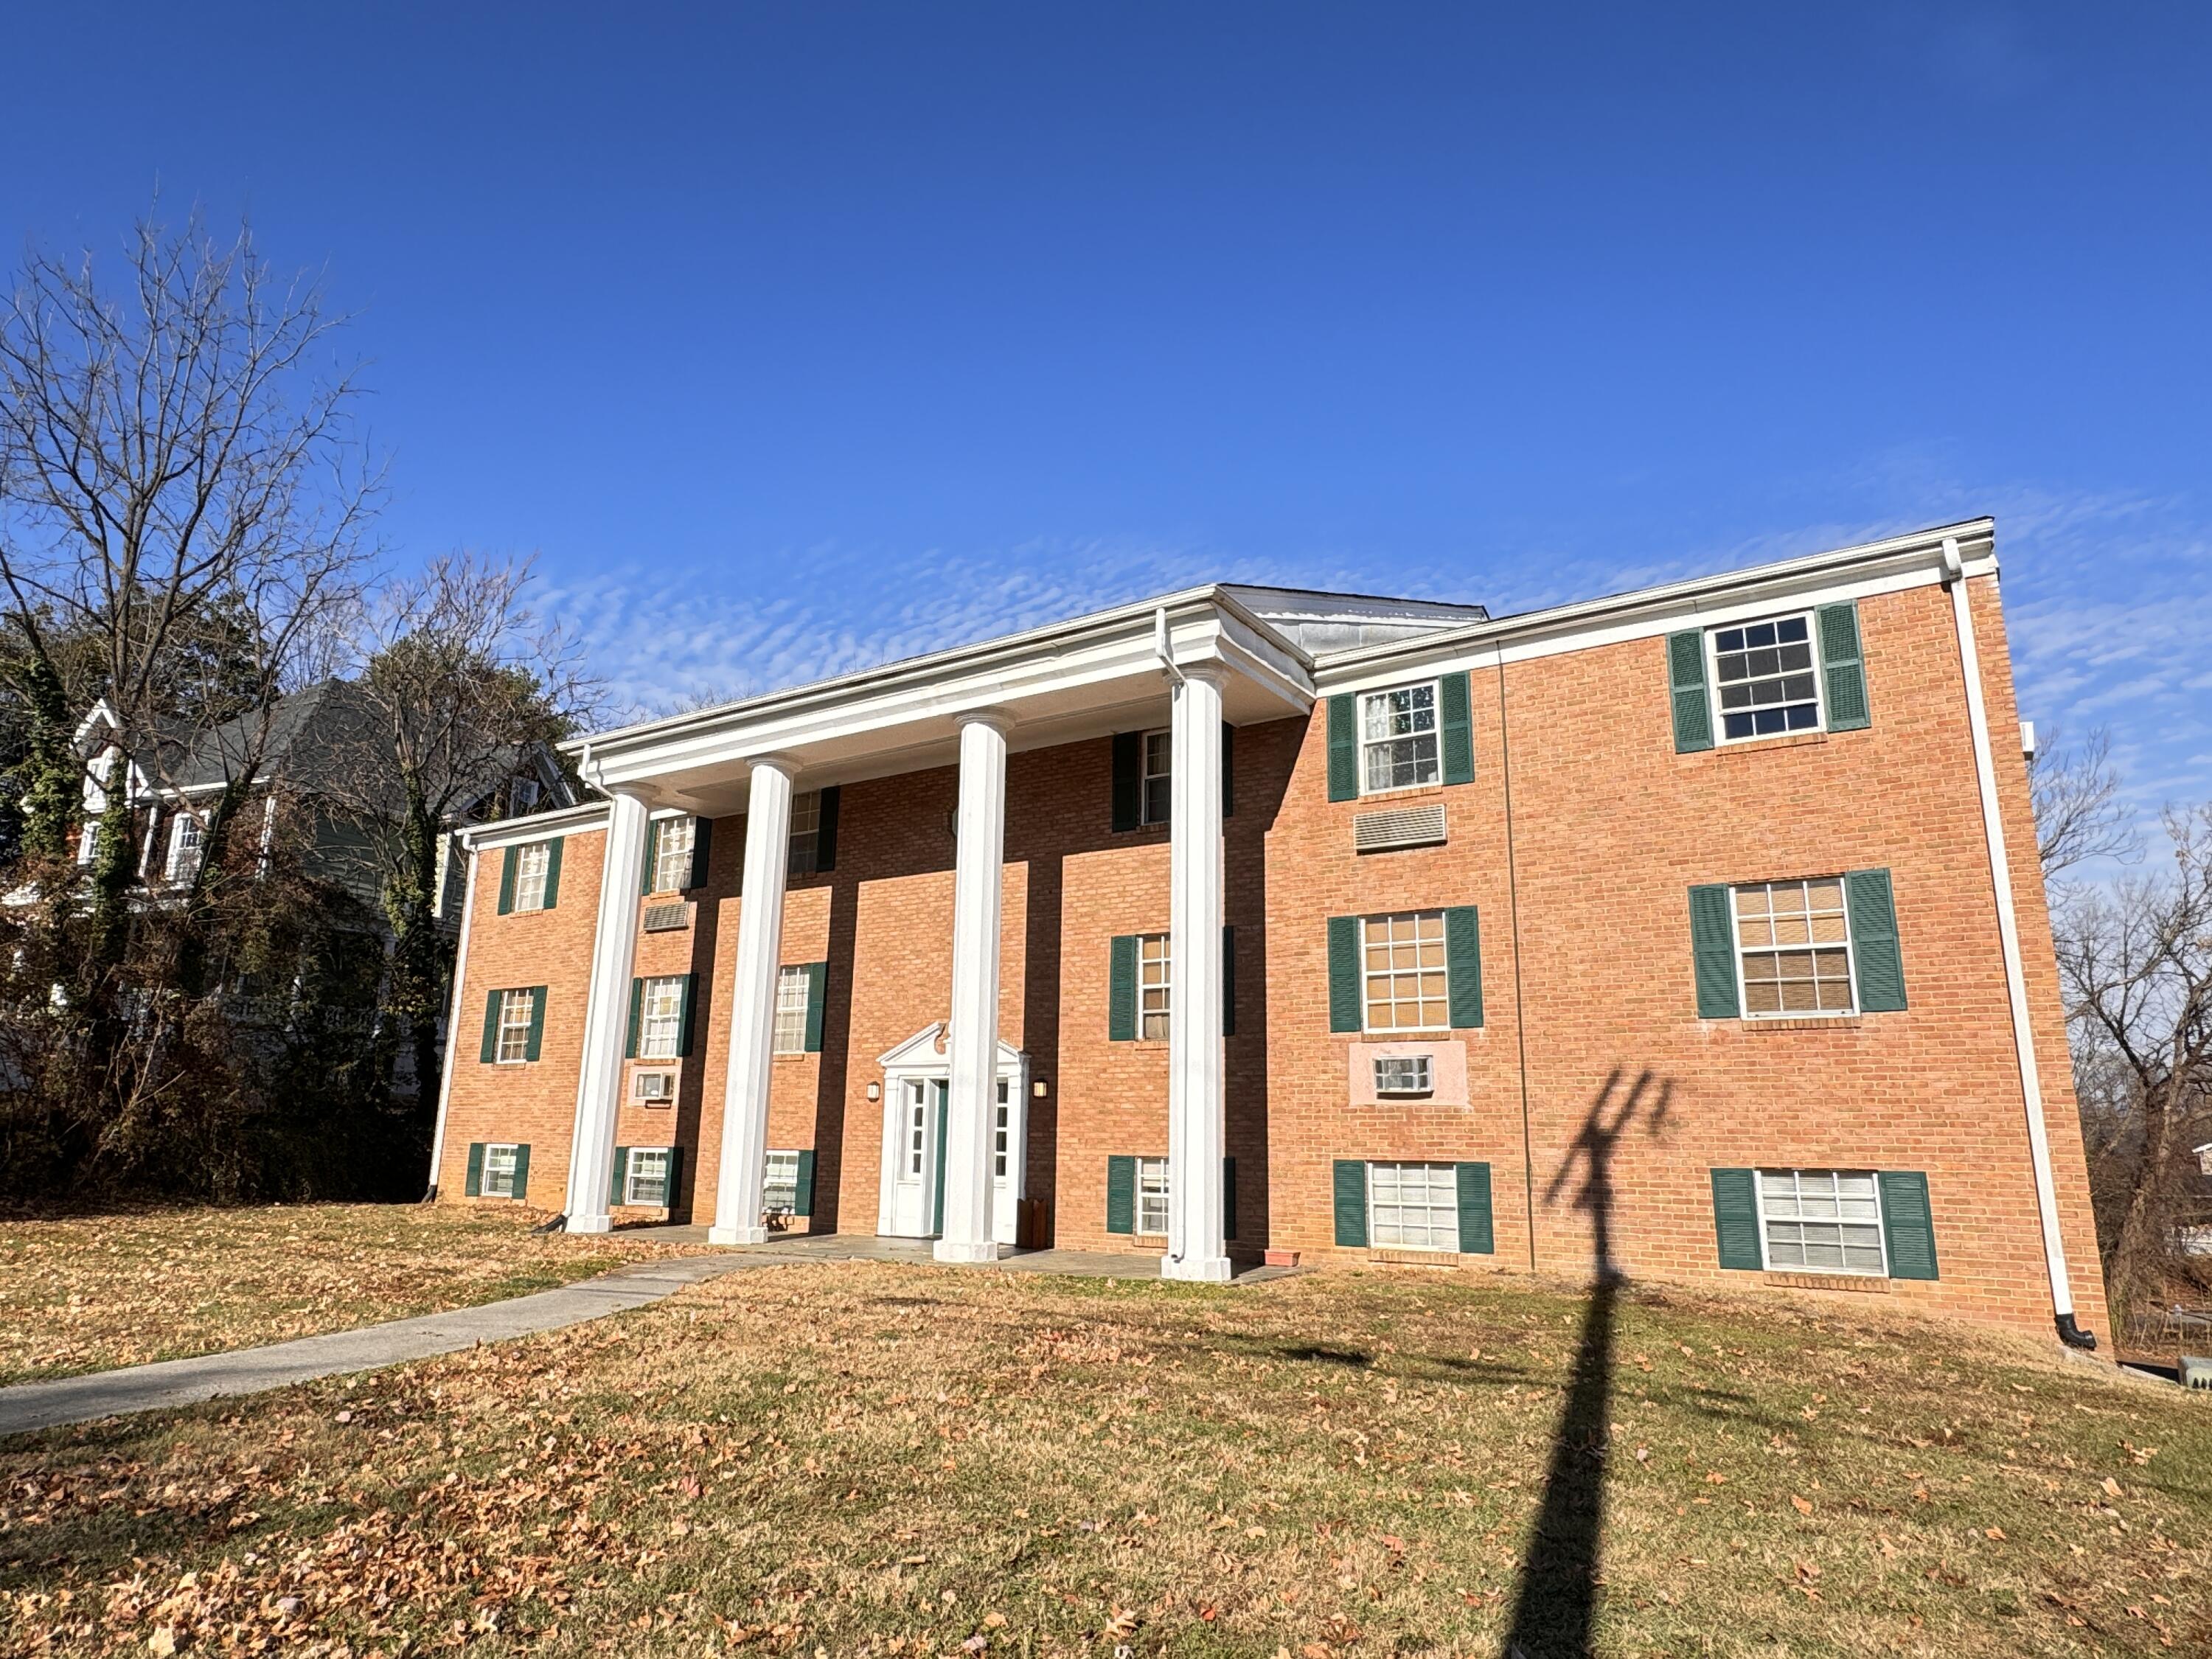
{"x": 1557, "y": 1609}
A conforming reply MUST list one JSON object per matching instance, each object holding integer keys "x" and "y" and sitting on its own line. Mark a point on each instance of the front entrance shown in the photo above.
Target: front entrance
{"x": 917, "y": 1095}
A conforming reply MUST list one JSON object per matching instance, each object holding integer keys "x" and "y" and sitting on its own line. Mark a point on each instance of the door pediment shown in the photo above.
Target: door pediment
{"x": 924, "y": 1052}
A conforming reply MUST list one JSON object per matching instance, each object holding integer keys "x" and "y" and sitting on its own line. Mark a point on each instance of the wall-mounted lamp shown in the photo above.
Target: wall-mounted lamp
{"x": 1036, "y": 1087}
{"x": 875, "y": 1092}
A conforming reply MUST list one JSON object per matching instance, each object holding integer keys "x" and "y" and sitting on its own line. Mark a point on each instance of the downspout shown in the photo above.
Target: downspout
{"x": 2031, "y": 1085}
{"x": 1164, "y": 646}
{"x": 453, "y": 1027}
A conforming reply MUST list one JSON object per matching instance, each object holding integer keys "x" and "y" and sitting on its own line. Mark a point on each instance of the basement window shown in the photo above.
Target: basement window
{"x": 1403, "y": 1074}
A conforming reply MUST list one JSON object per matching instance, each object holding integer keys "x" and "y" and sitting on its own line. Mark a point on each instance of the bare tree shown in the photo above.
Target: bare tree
{"x": 2136, "y": 961}
{"x": 461, "y": 680}
{"x": 2079, "y": 815}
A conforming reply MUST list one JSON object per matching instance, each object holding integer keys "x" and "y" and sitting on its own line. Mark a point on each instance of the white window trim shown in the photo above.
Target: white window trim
{"x": 1720, "y": 738}
{"x": 483, "y": 1181}
{"x": 1137, "y": 1228}
{"x": 796, "y": 865}
{"x": 1359, "y": 728}
{"x": 1416, "y": 1032}
{"x": 544, "y": 876}
{"x": 499, "y": 1039}
{"x": 1167, "y": 961}
{"x": 1426, "y": 1063}
{"x": 1145, "y": 774}
{"x": 659, "y": 852}
{"x": 87, "y": 841}
{"x": 629, "y": 1180}
{"x": 183, "y": 816}
{"x": 774, "y": 1152}
{"x": 1372, "y": 1164}
{"x": 646, "y": 1017}
{"x": 787, "y": 973}
{"x": 1759, "y": 1200}
{"x": 1742, "y": 988}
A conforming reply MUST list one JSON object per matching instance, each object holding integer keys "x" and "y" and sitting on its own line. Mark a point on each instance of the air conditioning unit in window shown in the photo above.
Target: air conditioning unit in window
{"x": 1399, "y": 1075}
{"x": 1398, "y": 827}
{"x": 654, "y": 1088}
{"x": 668, "y": 918}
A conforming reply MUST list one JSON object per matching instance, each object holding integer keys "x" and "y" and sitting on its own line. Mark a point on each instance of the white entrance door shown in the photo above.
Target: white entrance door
{"x": 1007, "y": 1154}
{"x": 913, "y": 1190}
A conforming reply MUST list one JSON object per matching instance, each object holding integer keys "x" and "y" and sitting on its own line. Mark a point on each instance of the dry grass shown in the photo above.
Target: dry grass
{"x": 86, "y": 1293}
{"x": 864, "y": 1458}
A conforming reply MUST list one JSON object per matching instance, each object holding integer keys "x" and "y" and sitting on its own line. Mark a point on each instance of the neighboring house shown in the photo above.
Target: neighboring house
{"x": 1693, "y": 934}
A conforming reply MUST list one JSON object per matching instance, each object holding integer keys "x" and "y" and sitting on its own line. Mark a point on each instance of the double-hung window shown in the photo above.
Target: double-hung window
{"x": 516, "y": 1010}
{"x": 793, "y": 986}
{"x": 1398, "y": 742}
{"x": 187, "y": 846}
{"x": 660, "y": 1017}
{"x": 779, "y": 1184}
{"x": 1153, "y": 1195}
{"x": 499, "y": 1167}
{"x": 1765, "y": 674}
{"x": 1159, "y": 776}
{"x": 646, "y": 1183}
{"x": 1793, "y": 939}
{"x": 1821, "y": 1221}
{"x": 1412, "y": 1206}
{"x": 1406, "y": 983}
{"x": 1154, "y": 986}
{"x": 672, "y": 854}
{"x": 803, "y": 851}
{"x": 532, "y": 865}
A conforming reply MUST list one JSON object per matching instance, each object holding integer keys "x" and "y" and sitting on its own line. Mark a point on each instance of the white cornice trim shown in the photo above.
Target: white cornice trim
{"x": 536, "y": 826}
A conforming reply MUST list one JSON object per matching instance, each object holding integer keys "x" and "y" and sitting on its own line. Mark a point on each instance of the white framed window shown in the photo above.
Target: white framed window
{"x": 805, "y": 845}
{"x": 517, "y": 1009}
{"x": 646, "y": 1182}
{"x": 1152, "y": 1196}
{"x": 1766, "y": 676}
{"x": 1155, "y": 987}
{"x": 652, "y": 1088}
{"x": 499, "y": 1165}
{"x": 672, "y": 854}
{"x": 1412, "y": 1206}
{"x": 660, "y": 1017}
{"x": 779, "y": 1184}
{"x": 1159, "y": 777}
{"x": 532, "y": 864}
{"x": 1826, "y": 1221}
{"x": 1792, "y": 944}
{"x": 187, "y": 845}
{"x": 1406, "y": 984}
{"x": 793, "y": 991}
{"x": 87, "y": 842}
{"x": 1403, "y": 1074}
{"x": 1398, "y": 742}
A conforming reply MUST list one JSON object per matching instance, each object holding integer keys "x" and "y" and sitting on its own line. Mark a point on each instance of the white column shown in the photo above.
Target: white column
{"x": 738, "y": 1198}
{"x": 1195, "y": 1222}
{"x": 972, "y": 1041}
{"x": 606, "y": 1018}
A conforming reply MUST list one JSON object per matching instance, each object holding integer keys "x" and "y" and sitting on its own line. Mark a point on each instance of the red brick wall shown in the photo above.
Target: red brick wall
{"x": 1631, "y": 1099}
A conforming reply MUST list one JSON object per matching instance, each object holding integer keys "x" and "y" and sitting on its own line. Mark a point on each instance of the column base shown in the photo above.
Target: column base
{"x": 1199, "y": 1269}
{"x": 963, "y": 1251}
{"x": 588, "y": 1224}
{"x": 719, "y": 1235}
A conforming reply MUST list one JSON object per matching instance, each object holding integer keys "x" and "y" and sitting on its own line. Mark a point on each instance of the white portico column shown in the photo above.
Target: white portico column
{"x": 606, "y": 1014}
{"x": 738, "y": 1201}
{"x": 972, "y": 1039}
{"x": 1195, "y": 1222}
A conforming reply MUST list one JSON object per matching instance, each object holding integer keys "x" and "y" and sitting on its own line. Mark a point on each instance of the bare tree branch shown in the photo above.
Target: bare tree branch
{"x": 2079, "y": 816}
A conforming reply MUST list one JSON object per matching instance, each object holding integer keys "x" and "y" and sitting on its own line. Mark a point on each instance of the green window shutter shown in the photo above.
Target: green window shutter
{"x": 1228, "y": 982}
{"x": 825, "y": 833}
{"x": 506, "y": 882}
{"x": 1228, "y": 770}
{"x": 1843, "y": 667}
{"x": 636, "y": 1017}
{"x": 1347, "y": 996}
{"x": 652, "y": 854}
{"x": 536, "y": 1021}
{"x": 1455, "y": 725}
{"x": 1712, "y": 951}
{"x": 1475, "y": 1237}
{"x": 683, "y": 1023}
{"x": 472, "y": 1185}
{"x": 1128, "y": 780}
{"x": 522, "y": 1171}
{"x": 618, "y": 1178}
{"x": 1686, "y": 679}
{"x": 1463, "y": 965}
{"x": 491, "y": 1028}
{"x": 702, "y": 850}
{"x": 1352, "y": 1203}
{"x": 1907, "y": 1224}
{"x": 802, "y": 1202}
{"x": 1874, "y": 954}
{"x": 1229, "y": 1198}
{"x": 1735, "y": 1219}
{"x": 818, "y": 1003}
{"x": 1121, "y": 989}
{"x": 553, "y": 872}
{"x": 1121, "y": 1195}
{"x": 675, "y": 1177}
{"x": 1344, "y": 747}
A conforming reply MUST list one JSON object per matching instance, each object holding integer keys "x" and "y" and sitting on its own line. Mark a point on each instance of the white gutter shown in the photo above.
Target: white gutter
{"x": 1164, "y": 645}
{"x": 2031, "y": 1085}
{"x": 452, "y": 1026}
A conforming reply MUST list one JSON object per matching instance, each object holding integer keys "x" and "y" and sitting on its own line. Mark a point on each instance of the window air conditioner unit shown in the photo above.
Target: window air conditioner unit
{"x": 654, "y": 1088}
{"x": 1403, "y": 1074}
{"x": 1398, "y": 827}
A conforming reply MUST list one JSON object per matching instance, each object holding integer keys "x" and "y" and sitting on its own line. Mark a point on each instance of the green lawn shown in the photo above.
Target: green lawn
{"x": 862, "y": 1458}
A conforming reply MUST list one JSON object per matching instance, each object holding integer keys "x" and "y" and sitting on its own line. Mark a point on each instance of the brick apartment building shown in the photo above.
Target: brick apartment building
{"x": 1693, "y": 934}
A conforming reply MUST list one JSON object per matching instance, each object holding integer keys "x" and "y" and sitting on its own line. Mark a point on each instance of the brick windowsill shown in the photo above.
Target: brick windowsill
{"x": 1863, "y": 1283}
{"x": 1780, "y": 740}
{"x": 1822, "y": 1022}
{"x": 1416, "y": 1258}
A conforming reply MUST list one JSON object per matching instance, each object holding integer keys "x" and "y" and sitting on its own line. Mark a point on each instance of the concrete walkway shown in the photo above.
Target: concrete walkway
{"x": 30, "y": 1405}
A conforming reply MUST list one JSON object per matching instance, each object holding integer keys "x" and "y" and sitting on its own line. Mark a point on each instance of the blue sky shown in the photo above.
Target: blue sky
{"x": 794, "y": 338}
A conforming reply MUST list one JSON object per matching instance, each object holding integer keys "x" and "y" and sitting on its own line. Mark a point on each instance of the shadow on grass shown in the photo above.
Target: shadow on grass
{"x": 1555, "y": 1615}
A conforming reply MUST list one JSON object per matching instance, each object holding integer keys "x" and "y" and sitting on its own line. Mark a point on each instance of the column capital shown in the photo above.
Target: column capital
{"x": 783, "y": 764}
{"x": 1215, "y": 674}
{"x": 999, "y": 719}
